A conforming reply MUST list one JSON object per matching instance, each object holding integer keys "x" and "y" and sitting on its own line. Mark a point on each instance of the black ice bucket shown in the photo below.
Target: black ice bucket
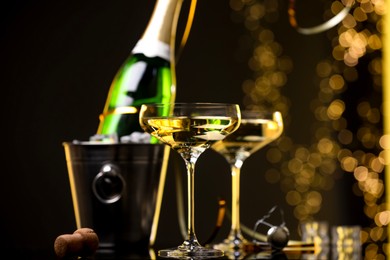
{"x": 117, "y": 191}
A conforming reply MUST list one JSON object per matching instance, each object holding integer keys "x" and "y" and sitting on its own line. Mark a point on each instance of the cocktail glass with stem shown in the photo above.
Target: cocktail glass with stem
{"x": 190, "y": 129}
{"x": 257, "y": 129}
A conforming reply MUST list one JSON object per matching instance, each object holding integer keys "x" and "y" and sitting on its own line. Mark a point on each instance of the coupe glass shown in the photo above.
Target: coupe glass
{"x": 257, "y": 129}
{"x": 190, "y": 129}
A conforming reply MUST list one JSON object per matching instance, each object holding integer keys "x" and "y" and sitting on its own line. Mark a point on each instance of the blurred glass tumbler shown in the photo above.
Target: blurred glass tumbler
{"x": 346, "y": 242}
{"x": 117, "y": 191}
{"x": 315, "y": 232}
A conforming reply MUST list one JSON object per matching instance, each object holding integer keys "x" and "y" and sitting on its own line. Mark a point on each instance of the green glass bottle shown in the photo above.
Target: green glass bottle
{"x": 147, "y": 76}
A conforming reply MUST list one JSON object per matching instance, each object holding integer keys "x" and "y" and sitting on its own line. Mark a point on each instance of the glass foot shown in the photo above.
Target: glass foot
{"x": 198, "y": 252}
{"x": 236, "y": 248}
{"x": 234, "y": 242}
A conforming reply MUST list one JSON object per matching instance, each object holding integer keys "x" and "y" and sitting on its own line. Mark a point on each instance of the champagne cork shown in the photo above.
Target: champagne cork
{"x": 83, "y": 242}
{"x": 90, "y": 238}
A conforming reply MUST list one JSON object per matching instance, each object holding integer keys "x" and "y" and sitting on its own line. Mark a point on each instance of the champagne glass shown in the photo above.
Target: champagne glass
{"x": 190, "y": 129}
{"x": 257, "y": 129}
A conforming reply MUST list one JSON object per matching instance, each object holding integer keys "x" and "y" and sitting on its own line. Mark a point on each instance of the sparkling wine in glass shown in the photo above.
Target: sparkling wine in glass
{"x": 257, "y": 129}
{"x": 190, "y": 129}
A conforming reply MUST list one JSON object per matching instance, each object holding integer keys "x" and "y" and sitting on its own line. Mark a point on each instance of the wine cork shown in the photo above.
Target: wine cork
{"x": 68, "y": 245}
{"x": 90, "y": 238}
{"x": 83, "y": 242}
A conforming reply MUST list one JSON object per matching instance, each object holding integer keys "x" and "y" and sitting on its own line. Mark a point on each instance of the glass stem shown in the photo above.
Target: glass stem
{"x": 235, "y": 232}
{"x": 191, "y": 239}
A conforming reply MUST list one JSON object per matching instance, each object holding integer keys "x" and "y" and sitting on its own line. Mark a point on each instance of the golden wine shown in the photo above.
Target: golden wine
{"x": 252, "y": 135}
{"x": 189, "y": 132}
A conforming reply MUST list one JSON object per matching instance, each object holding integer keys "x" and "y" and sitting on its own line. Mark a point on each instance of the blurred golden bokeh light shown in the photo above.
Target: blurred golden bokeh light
{"x": 358, "y": 147}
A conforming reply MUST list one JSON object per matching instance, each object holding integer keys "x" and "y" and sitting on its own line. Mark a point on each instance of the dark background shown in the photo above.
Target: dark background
{"x": 57, "y": 61}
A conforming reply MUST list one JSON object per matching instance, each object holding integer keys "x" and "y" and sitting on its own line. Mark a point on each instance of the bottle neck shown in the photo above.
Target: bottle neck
{"x": 157, "y": 37}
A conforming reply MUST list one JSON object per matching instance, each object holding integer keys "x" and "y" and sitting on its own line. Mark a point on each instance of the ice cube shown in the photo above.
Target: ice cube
{"x": 106, "y": 138}
{"x": 137, "y": 138}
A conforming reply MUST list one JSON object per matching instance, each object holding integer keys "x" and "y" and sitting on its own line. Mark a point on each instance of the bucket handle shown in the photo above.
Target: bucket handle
{"x": 108, "y": 184}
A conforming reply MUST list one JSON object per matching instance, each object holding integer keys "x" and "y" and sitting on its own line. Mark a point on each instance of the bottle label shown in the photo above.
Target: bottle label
{"x": 152, "y": 49}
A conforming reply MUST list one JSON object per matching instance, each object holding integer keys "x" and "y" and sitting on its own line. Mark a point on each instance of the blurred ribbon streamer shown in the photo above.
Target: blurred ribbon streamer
{"x": 186, "y": 33}
{"x": 321, "y": 27}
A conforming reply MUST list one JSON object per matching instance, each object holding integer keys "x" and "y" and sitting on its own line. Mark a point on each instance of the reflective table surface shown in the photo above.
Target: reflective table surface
{"x": 288, "y": 253}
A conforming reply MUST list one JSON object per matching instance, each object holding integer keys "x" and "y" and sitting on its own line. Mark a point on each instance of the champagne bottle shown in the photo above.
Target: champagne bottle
{"x": 147, "y": 75}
